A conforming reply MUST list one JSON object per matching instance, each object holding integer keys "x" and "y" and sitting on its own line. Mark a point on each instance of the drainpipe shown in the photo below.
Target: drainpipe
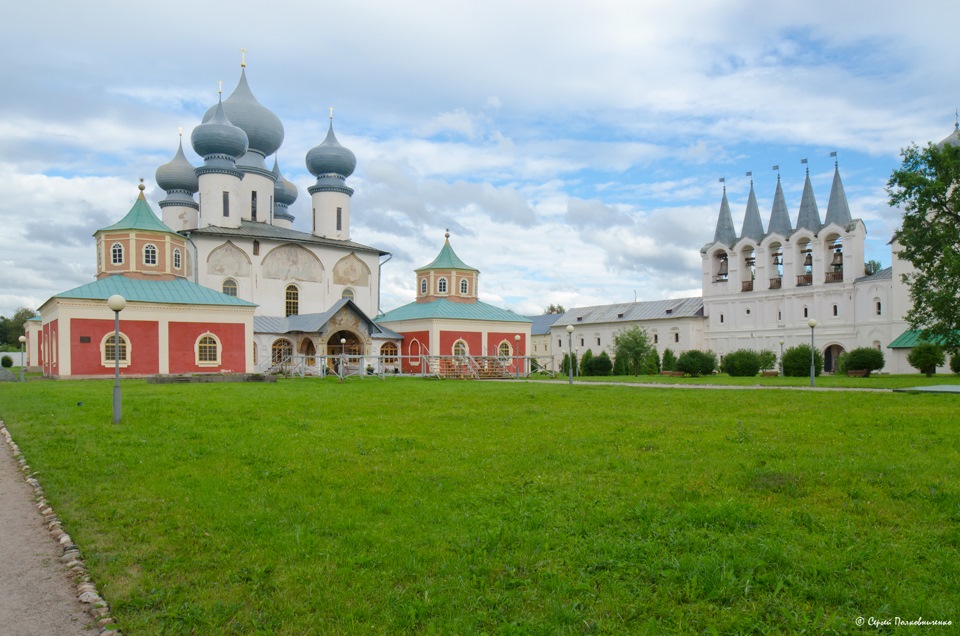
{"x": 380, "y": 280}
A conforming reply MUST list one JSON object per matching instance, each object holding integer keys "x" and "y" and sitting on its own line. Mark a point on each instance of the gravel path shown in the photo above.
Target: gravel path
{"x": 36, "y": 595}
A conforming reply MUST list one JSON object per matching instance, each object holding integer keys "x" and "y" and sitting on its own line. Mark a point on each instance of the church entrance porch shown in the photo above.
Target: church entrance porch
{"x": 344, "y": 348}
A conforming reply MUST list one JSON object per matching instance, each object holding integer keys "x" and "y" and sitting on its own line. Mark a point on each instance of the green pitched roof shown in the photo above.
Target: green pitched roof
{"x": 140, "y": 217}
{"x": 910, "y": 338}
{"x": 179, "y": 291}
{"x": 447, "y": 259}
{"x": 444, "y": 308}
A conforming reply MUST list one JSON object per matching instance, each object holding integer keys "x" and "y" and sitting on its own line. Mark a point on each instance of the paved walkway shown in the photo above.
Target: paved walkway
{"x": 37, "y": 597}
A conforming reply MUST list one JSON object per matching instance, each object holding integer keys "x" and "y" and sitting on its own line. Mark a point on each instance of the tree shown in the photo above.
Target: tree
{"x": 601, "y": 364}
{"x": 631, "y": 345}
{"x": 555, "y": 309}
{"x": 696, "y": 362}
{"x": 925, "y": 357}
{"x": 12, "y": 328}
{"x": 927, "y": 188}
{"x": 796, "y": 361}
{"x": 567, "y": 359}
{"x": 862, "y": 359}
{"x": 585, "y": 361}
{"x": 768, "y": 360}
{"x": 743, "y": 363}
{"x": 872, "y": 267}
{"x": 669, "y": 360}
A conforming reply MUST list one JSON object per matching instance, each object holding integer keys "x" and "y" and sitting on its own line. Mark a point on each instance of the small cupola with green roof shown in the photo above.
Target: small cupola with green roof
{"x": 140, "y": 246}
{"x": 447, "y": 277}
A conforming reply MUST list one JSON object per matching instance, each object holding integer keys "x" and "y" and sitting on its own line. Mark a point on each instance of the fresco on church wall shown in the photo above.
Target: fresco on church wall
{"x": 228, "y": 260}
{"x": 292, "y": 262}
{"x": 350, "y": 270}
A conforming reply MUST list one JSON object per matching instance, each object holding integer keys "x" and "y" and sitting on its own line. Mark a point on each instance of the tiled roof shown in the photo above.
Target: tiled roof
{"x": 884, "y": 274}
{"x": 314, "y": 323}
{"x": 253, "y": 229}
{"x": 178, "y": 291}
{"x": 140, "y": 217}
{"x": 444, "y": 308}
{"x": 447, "y": 259}
{"x": 910, "y": 338}
{"x": 628, "y": 312}
{"x": 542, "y": 323}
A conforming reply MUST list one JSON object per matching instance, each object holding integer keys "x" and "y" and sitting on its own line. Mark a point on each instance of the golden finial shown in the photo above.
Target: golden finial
{"x": 141, "y": 187}
{"x": 180, "y": 131}
{"x": 331, "y": 113}
{"x": 446, "y": 234}
{"x": 243, "y": 58}
{"x": 220, "y": 86}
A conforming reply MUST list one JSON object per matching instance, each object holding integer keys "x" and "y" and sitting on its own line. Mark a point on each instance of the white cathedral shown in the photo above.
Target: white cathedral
{"x": 312, "y": 290}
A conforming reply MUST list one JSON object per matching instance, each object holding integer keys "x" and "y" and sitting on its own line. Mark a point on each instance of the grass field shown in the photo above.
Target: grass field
{"x": 418, "y": 506}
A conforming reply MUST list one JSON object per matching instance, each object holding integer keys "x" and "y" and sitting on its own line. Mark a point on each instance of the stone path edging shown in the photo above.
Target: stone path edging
{"x": 71, "y": 556}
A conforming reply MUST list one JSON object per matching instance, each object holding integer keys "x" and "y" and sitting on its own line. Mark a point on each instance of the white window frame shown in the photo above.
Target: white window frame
{"x": 110, "y": 363}
{"x": 196, "y": 350}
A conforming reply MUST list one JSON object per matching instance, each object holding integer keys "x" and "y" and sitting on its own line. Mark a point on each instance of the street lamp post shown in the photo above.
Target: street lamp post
{"x": 343, "y": 351}
{"x": 116, "y": 303}
{"x": 570, "y": 351}
{"x": 813, "y": 325}
{"x": 23, "y": 360}
{"x": 781, "y": 357}
{"x": 516, "y": 355}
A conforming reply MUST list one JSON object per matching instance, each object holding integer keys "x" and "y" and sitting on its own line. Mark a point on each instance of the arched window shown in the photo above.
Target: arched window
{"x": 389, "y": 353}
{"x": 177, "y": 258}
{"x": 116, "y": 254}
{"x": 347, "y": 293}
{"x": 806, "y": 313}
{"x": 464, "y": 286}
{"x": 676, "y": 337}
{"x": 460, "y": 348}
{"x": 836, "y": 310}
{"x": 879, "y": 309}
{"x": 280, "y": 351}
{"x": 442, "y": 286}
{"x": 150, "y": 254}
{"x": 230, "y": 287}
{"x": 721, "y": 319}
{"x": 292, "y": 304}
{"x": 423, "y": 285}
{"x": 109, "y": 350}
{"x": 207, "y": 350}
{"x": 504, "y": 349}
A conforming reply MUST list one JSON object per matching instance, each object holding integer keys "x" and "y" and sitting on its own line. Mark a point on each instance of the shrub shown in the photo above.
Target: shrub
{"x": 566, "y": 364}
{"x": 585, "y": 361}
{"x": 6, "y": 362}
{"x": 620, "y": 366}
{"x": 743, "y": 363}
{"x": 669, "y": 361}
{"x": 796, "y": 361}
{"x": 955, "y": 363}
{"x": 861, "y": 359}
{"x": 696, "y": 363}
{"x": 651, "y": 363}
{"x": 601, "y": 364}
{"x": 925, "y": 357}
{"x": 768, "y": 360}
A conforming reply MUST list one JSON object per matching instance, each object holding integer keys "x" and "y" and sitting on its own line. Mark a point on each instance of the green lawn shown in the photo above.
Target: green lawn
{"x": 876, "y": 381}
{"x": 419, "y": 506}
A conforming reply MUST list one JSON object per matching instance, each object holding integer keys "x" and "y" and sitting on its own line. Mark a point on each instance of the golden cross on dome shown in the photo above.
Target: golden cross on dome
{"x": 331, "y": 113}
{"x": 243, "y": 58}
{"x": 220, "y": 86}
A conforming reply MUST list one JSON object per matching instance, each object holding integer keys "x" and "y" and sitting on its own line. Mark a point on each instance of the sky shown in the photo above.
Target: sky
{"x": 572, "y": 149}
